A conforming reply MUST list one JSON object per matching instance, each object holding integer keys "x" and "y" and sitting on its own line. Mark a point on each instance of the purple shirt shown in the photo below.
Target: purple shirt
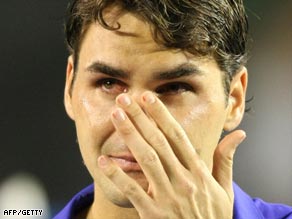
{"x": 244, "y": 206}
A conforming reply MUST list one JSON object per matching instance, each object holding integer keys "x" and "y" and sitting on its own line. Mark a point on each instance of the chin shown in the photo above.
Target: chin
{"x": 116, "y": 196}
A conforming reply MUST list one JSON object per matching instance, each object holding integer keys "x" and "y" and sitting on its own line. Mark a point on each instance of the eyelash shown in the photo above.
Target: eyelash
{"x": 171, "y": 88}
{"x": 102, "y": 83}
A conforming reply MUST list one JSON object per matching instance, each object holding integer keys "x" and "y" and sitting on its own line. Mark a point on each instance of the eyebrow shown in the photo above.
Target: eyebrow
{"x": 182, "y": 70}
{"x": 99, "y": 67}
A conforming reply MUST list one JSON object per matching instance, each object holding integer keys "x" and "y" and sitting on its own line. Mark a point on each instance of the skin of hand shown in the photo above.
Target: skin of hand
{"x": 192, "y": 191}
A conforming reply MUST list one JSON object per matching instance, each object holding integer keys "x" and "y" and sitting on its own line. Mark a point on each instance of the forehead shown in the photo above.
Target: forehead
{"x": 133, "y": 34}
{"x": 131, "y": 45}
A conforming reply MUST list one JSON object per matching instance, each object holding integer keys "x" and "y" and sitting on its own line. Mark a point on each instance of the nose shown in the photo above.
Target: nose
{"x": 136, "y": 96}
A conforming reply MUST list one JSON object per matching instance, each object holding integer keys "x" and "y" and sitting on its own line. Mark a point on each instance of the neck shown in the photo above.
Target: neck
{"x": 102, "y": 208}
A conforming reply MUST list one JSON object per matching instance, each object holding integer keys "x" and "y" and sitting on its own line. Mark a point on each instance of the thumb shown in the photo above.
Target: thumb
{"x": 223, "y": 159}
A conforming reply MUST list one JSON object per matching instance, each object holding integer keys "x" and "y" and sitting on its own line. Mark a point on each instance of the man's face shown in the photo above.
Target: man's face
{"x": 129, "y": 60}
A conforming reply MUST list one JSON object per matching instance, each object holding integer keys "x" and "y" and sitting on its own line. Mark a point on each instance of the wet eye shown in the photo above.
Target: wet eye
{"x": 174, "y": 88}
{"x": 108, "y": 83}
{"x": 112, "y": 86}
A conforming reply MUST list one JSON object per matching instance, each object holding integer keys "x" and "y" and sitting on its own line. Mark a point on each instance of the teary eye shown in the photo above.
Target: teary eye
{"x": 112, "y": 86}
{"x": 108, "y": 83}
{"x": 174, "y": 88}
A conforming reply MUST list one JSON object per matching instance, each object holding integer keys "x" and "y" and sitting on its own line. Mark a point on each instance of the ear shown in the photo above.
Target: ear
{"x": 236, "y": 100}
{"x": 68, "y": 87}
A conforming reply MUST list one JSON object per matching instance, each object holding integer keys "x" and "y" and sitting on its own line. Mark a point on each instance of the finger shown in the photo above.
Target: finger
{"x": 150, "y": 133}
{"x": 173, "y": 131}
{"x": 129, "y": 187}
{"x": 223, "y": 159}
{"x": 144, "y": 154}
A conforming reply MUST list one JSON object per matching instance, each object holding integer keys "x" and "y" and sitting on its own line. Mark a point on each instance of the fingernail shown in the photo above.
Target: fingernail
{"x": 119, "y": 115}
{"x": 243, "y": 136}
{"x": 149, "y": 98}
{"x": 102, "y": 161}
{"x": 124, "y": 100}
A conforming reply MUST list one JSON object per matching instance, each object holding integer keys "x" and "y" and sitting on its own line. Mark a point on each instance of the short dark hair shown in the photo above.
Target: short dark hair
{"x": 216, "y": 28}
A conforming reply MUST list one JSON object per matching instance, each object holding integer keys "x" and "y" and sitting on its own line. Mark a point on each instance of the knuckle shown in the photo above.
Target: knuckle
{"x": 188, "y": 187}
{"x": 222, "y": 153}
{"x": 127, "y": 130}
{"x": 111, "y": 171}
{"x": 150, "y": 158}
{"x": 157, "y": 140}
{"x": 178, "y": 135}
{"x": 201, "y": 164}
{"x": 130, "y": 189}
{"x": 157, "y": 110}
{"x": 174, "y": 208}
{"x": 200, "y": 168}
{"x": 135, "y": 112}
{"x": 219, "y": 152}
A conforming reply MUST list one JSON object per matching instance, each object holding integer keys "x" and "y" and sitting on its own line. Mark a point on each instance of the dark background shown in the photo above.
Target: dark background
{"x": 36, "y": 134}
{"x": 37, "y": 137}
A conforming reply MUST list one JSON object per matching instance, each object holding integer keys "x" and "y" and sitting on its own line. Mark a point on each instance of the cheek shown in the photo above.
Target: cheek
{"x": 94, "y": 113}
{"x": 203, "y": 124}
{"x": 93, "y": 124}
{"x": 196, "y": 123}
{"x": 195, "y": 115}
